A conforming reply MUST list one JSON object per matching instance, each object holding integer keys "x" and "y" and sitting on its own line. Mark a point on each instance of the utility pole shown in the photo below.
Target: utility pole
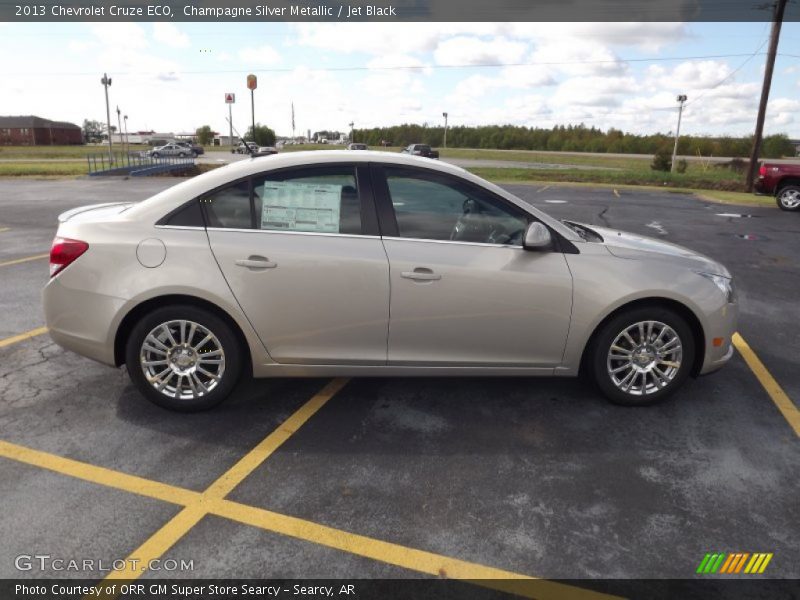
{"x": 775, "y": 35}
{"x": 352, "y": 132}
{"x": 106, "y": 81}
{"x": 444, "y": 114}
{"x": 119, "y": 126}
{"x": 681, "y": 99}
{"x": 127, "y": 143}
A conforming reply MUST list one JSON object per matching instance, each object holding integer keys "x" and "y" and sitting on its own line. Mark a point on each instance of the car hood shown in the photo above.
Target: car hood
{"x": 623, "y": 244}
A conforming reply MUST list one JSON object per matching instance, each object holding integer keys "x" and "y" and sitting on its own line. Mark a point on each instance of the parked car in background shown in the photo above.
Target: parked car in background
{"x": 265, "y": 151}
{"x": 245, "y": 148}
{"x": 172, "y": 150}
{"x": 781, "y": 180}
{"x": 196, "y": 148}
{"x": 355, "y": 146}
{"x": 420, "y": 150}
{"x": 333, "y": 263}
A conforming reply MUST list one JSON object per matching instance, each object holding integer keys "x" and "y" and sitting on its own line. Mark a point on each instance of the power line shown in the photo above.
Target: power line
{"x": 406, "y": 67}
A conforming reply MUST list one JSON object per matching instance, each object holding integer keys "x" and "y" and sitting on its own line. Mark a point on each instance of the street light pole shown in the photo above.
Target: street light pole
{"x": 127, "y": 143}
{"x": 119, "y": 126}
{"x": 681, "y": 99}
{"x": 444, "y": 114}
{"x": 106, "y": 81}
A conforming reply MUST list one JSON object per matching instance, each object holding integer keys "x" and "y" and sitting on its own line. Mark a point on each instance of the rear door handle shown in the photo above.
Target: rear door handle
{"x": 256, "y": 262}
{"x": 420, "y": 274}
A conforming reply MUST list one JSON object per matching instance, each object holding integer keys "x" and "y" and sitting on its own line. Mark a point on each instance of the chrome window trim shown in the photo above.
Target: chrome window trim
{"x": 407, "y": 239}
{"x": 313, "y": 233}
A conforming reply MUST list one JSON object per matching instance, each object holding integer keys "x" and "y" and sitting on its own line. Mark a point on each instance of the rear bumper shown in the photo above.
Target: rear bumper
{"x": 81, "y": 321}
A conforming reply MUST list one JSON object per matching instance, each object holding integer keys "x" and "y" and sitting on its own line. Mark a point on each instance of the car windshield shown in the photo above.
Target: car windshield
{"x": 584, "y": 232}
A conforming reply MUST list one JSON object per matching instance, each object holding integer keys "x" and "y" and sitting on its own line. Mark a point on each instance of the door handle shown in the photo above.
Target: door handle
{"x": 256, "y": 262}
{"x": 420, "y": 274}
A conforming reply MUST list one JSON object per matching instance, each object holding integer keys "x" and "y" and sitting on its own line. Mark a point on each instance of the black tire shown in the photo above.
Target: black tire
{"x": 232, "y": 355}
{"x": 788, "y": 198}
{"x": 598, "y": 359}
{"x": 182, "y": 154}
{"x": 156, "y": 155}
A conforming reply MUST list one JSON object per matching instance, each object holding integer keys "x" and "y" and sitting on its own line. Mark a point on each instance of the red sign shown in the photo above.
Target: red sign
{"x": 252, "y": 82}
{"x": 230, "y": 98}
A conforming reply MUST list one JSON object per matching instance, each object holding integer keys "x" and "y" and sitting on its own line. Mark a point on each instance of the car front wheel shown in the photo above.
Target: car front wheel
{"x": 156, "y": 155}
{"x": 788, "y": 198}
{"x": 642, "y": 356}
{"x": 183, "y": 358}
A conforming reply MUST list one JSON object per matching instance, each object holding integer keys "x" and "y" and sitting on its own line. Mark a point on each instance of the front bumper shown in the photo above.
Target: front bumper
{"x": 720, "y": 324}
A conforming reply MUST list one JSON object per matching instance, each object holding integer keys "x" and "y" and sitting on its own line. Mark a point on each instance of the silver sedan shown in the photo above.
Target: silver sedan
{"x": 369, "y": 264}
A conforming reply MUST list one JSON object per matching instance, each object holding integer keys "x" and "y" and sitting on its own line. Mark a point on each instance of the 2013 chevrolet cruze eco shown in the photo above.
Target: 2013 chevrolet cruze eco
{"x": 368, "y": 264}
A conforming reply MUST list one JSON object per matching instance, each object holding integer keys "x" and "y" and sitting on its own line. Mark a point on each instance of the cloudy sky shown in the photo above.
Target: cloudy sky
{"x": 172, "y": 77}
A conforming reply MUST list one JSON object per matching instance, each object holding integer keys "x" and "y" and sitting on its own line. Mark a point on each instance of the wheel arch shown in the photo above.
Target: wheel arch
{"x": 698, "y": 332}
{"x": 786, "y": 182}
{"x": 132, "y": 317}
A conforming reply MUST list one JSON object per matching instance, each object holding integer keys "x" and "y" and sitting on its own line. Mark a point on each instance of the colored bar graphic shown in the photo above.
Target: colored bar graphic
{"x": 734, "y": 563}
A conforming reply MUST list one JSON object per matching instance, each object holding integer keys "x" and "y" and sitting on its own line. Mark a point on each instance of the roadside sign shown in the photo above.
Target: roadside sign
{"x": 252, "y": 82}
{"x": 230, "y": 98}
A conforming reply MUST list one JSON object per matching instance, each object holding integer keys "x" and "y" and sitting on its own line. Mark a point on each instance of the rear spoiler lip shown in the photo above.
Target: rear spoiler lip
{"x": 67, "y": 215}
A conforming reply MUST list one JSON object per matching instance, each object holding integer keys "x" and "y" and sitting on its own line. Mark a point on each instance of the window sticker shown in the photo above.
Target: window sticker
{"x": 289, "y": 206}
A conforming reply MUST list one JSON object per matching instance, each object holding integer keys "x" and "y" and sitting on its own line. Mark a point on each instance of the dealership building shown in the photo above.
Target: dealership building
{"x": 36, "y": 131}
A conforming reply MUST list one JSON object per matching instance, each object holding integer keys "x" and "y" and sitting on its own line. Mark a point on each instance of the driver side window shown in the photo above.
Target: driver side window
{"x": 436, "y": 207}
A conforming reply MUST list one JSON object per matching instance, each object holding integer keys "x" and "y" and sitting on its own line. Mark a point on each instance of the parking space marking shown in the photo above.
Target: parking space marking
{"x": 197, "y": 505}
{"x": 616, "y": 193}
{"x": 99, "y": 475}
{"x": 540, "y": 190}
{"x": 17, "y": 261}
{"x": 402, "y": 556}
{"x": 767, "y": 381}
{"x": 171, "y": 532}
{"x": 22, "y": 336}
{"x": 2, "y": 229}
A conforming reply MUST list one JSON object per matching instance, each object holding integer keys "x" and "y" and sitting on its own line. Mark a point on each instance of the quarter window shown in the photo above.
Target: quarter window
{"x": 437, "y": 207}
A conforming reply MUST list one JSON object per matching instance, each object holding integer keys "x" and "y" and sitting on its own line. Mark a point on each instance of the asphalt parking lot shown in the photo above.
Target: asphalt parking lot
{"x": 398, "y": 478}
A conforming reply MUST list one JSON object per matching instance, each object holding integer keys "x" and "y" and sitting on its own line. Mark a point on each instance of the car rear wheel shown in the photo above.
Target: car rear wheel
{"x": 156, "y": 155}
{"x": 642, "y": 356}
{"x": 183, "y": 358}
{"x": 182, "y": 154}
{"x": 788, "y": 198}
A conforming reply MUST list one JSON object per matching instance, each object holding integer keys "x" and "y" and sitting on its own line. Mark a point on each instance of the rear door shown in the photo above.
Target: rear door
{"x": 301, "y": 252}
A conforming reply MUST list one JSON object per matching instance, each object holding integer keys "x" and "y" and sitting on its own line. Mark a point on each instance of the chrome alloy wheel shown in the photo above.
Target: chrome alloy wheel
{"x": 644, "y": 358}
{"x": 182, "y": 359}
{"x": 790, "y": 198}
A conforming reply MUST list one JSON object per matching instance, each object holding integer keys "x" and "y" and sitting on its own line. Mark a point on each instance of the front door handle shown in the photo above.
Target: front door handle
{"x": 256, "y": 262}
{"x": 420, "y": 274}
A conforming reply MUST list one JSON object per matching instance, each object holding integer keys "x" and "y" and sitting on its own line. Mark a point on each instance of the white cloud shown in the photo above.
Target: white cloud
{"x": 168, "y": 34}
{"x": 463, "y": 50}
{"x": 262, "y": 55}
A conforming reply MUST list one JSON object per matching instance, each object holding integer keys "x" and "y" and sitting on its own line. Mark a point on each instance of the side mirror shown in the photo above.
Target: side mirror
{"x": 537, "y": 237}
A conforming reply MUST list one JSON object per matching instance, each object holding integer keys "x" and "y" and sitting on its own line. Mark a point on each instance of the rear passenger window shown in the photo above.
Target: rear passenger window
{"x": 229, "y": 207}
{"x": 312, "y": 199}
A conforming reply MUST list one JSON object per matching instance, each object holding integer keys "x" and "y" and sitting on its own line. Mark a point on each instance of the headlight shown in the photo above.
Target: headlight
{"x": 724, "y": 284}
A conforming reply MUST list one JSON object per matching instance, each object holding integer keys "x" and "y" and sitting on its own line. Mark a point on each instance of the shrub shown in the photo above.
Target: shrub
{"x": 662, "y": 160}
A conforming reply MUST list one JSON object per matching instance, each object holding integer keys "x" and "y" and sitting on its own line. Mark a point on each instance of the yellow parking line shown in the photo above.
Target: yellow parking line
{"x": 22, "y": 336}
{"x": 2, "y": 229}
{"x": 540, "y": 190}
{"x": 196, "y": 505}
{"x": 772, "y": 387}
{"x": 616, "y": 193}
{"x": 166, "y": 537}
{"x": 401, "y": 556}
{"x": 17, "y": 261}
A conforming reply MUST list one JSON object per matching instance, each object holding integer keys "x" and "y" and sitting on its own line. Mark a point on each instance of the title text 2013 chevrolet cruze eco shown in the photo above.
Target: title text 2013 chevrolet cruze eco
{"x": 367, "y": 264}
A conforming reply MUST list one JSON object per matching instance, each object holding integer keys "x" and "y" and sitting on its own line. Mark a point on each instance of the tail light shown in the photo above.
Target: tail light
{"x": 63, "y": 253}
{"x": 762, "y": 171}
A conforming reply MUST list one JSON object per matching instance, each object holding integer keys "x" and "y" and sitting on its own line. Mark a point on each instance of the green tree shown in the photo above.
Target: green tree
{"x": 204, "y": 135}
{"x": 777, "y": 146}
{"x": 93, "y": 130}
{"x": 662, "y": 160}
{"x": 264, "y": 136}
